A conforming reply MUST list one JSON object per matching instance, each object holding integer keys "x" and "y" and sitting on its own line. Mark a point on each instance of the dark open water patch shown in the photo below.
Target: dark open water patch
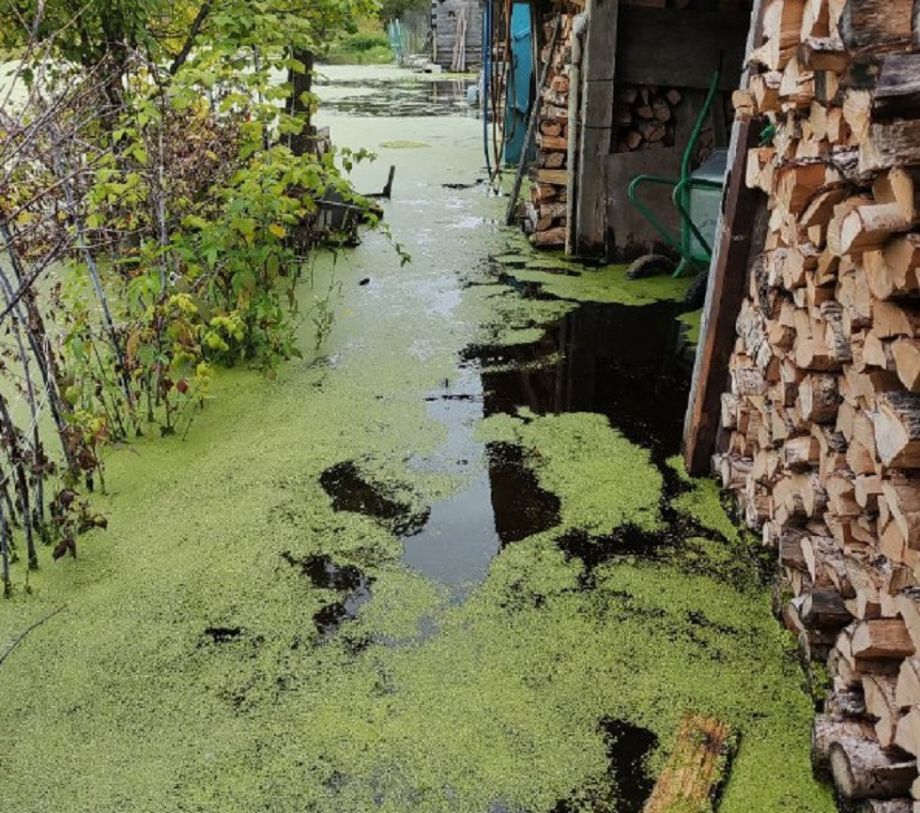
{"x": 222, "y": 635}
{"x": 431, "y": 97}
{"x": 625, "y": 362}
{"x": 628, "y": 784}
{"x": 351, "y": 491}
{"x": 324, "y": 573}
{"x": 628, "y": 364}
{"x": 520, "y": 506}
{"x": 628, "y": 749}
{"x": 501, "y": 503}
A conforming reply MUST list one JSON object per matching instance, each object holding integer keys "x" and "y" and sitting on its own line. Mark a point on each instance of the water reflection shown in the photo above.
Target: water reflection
{"x": 409, "y": 97}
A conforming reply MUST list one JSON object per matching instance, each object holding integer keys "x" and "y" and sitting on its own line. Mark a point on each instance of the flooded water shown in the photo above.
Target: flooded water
{"x": 620, "y": 361}
{"x": 407, "y": 96}
{"x": 441, "y": 566}
{"x": 349, "y": 581}
{"x": 501, "y": 502}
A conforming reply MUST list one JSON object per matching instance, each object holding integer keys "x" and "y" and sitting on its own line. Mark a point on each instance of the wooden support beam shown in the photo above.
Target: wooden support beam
{"x": 598, "y": 74}
{"x": 679, "y": 47}
{"x": 739, "y": 234}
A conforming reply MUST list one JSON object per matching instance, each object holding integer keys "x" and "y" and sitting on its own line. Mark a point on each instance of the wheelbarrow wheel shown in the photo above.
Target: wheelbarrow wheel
{"x": 696, "y": 293}
{"x": 649, "y": 266}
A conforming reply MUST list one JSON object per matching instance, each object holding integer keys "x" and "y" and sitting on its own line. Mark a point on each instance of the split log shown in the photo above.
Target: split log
{"x": 827, "y": 729}
{"x": 862, "y": 770}
{"x": 882, "y": 638}
{"x": 906, "y": 353}
{"x": 819, "y": 398}
{"x": 907, "y": 690}
{"x": 876, "y": 26}
{"x": 824, "y": 609}
{"x": 897, "y": 429}
{"x": 902, "y": 497}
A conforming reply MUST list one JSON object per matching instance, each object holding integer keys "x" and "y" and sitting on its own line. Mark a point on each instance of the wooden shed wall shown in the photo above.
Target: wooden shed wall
{"x": 445, "y": 15}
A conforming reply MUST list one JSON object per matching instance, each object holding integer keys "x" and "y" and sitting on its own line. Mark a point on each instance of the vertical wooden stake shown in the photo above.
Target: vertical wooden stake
{"x": 598, "y": 72}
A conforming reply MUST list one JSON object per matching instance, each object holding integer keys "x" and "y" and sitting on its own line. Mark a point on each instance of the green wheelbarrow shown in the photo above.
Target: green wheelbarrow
{"x": 697, "y": 196}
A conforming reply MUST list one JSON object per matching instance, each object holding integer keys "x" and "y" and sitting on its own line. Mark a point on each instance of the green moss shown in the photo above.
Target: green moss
{"x": 692, "y": 320}
{"x": 702, "y": 501}
{"x": 404, "y": 144}
{"x": 122, "y": 702}
{"x": 602, "y": 480}
{"x": 608, "y": 284}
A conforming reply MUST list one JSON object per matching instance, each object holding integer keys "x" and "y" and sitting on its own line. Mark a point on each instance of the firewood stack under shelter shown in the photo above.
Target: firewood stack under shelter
{"x": 821, "y": 425}
{"x": 545, "y": 214}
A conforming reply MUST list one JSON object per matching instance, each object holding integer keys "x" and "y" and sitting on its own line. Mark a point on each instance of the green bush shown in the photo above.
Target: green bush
{"x": 365, "y": 42}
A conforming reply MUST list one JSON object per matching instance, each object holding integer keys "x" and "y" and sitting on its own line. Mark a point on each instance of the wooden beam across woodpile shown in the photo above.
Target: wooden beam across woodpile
{"x": 822, "y": 420}
{"x": 545, "y": 213}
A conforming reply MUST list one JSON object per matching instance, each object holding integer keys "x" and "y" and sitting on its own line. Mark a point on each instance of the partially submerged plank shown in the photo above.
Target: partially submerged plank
{"x": 696, "y": 768}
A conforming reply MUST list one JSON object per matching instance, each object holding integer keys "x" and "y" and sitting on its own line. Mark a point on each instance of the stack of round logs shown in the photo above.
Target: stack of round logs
{"x": 545, "y": 218}
{"x": 645, "y": 117}
{"x": 822, "y": 423}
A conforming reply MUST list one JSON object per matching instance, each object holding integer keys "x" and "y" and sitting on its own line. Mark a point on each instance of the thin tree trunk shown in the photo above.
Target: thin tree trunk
{"x": 90, "y": 260}
{"x": 37, "y": 449}
{"x": 41, "y": 350}
{"x": 14, "y": 452}
{"x": 5, "y": 552}
{"x": 304, "y": 142}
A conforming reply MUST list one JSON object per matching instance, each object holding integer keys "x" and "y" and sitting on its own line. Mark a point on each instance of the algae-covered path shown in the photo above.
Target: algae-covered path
{"x": 448, "y": 564}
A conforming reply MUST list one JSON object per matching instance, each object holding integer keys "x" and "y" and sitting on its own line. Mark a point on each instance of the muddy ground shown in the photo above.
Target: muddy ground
{"x": 447, "y": 562}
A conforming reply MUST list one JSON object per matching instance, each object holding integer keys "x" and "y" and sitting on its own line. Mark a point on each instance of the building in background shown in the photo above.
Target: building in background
{"x": 456, "y": 34}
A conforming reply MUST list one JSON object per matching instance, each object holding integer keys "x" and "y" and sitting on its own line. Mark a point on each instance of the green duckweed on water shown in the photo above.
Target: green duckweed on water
{"x": 186, "y": 672}
{"x": 607, "y": 284}
{"x": 404, "y": 144}
{"x": 557, "y": 276}
{"x": 692, "y": 320}
{"x": 601, "y": 479}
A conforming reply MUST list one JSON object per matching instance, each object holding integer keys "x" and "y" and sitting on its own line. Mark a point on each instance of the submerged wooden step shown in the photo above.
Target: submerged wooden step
{"x": 696, "y": 769}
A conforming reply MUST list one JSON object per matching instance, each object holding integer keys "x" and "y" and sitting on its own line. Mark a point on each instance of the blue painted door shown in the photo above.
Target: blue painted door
{"x": 520, "y": 82}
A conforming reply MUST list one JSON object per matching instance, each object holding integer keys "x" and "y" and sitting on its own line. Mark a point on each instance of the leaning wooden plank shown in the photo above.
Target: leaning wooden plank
{"x": 739, "y": 237}
{"x": 696, "y": 768}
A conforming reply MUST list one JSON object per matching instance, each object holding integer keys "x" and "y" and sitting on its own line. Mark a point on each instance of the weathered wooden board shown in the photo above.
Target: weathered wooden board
{"x": 445, "y": 15}
{"x": 631, "y": 233}
{"x": 598, "y": 73}
{"x": 696, "y": 768}
{"x": 736, "y": 242}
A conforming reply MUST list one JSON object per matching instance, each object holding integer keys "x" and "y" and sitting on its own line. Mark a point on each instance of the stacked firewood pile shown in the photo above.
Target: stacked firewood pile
{"x": 823, "y": 417}
{"x": 545, "y": 217}
{"x": 645, "y": 117}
